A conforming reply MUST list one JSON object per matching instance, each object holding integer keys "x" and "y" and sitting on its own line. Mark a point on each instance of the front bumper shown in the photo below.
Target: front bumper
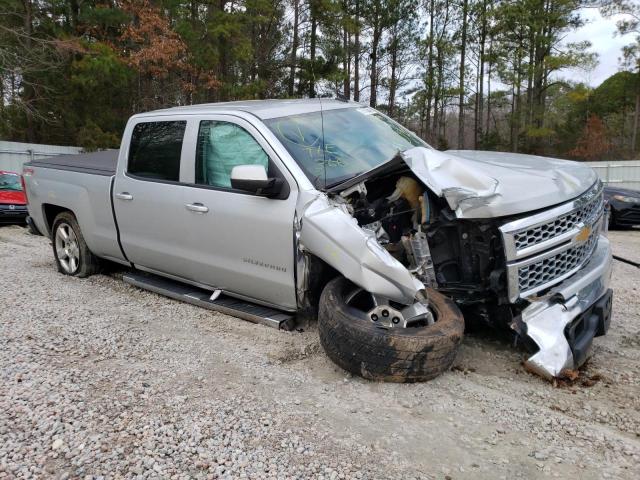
{"x": 12, "y": 213}
{"x": 564, "y": 322}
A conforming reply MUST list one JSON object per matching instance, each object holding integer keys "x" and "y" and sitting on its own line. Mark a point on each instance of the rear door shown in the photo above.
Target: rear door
{"x": 239, "y": 242}
{"x": 149, "y": 198}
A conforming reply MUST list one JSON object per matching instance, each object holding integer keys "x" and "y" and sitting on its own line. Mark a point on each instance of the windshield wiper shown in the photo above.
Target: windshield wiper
{"x": 342, "y": 180}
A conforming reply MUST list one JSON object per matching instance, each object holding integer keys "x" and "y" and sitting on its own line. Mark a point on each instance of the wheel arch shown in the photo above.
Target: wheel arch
{"x": 50, "y": 211}
{"x": 312, "y": 275}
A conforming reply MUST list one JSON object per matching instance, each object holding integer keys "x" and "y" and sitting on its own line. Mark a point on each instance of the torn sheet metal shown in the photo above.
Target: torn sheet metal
{"x": 333, "y": 235}
{"x": 545, "y": 318}
{"x": 494, "y": 184}
{"x": 545, "y": 325}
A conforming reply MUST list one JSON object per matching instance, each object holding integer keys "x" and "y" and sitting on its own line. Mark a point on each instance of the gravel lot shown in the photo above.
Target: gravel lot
{"x": 101, "y": 380}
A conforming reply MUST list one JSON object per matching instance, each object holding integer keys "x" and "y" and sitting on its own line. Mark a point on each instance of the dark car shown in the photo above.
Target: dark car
{"x": 13, "y": 201}
{"x": 625, "y": 206}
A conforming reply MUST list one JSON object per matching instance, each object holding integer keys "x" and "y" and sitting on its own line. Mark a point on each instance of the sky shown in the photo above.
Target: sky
{"x": 601, "y": 32}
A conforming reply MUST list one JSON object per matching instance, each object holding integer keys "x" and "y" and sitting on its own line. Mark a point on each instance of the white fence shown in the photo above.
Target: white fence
{"x": 14, "y": 154}
{"x": 621, "y": 173}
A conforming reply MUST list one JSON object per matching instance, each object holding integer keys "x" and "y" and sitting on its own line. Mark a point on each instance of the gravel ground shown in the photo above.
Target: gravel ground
{"x": 630, "y": 247}
{"x": 102, "y": 380}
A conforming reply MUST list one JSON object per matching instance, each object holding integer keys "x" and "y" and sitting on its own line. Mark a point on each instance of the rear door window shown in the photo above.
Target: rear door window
{"x": 155, "y": 150}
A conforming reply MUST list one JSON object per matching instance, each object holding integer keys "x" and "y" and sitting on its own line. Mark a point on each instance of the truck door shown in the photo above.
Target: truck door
{"x": 149, "y": 199}
{"x": 239, "y": 242}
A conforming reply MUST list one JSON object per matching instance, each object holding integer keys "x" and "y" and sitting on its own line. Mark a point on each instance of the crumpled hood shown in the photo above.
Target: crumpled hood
{"x": 13, "y": 197}
{"x": 479, "y": 184}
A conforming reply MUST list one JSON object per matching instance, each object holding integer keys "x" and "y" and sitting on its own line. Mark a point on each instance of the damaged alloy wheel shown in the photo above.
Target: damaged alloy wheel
{"x": 399, "y": 346}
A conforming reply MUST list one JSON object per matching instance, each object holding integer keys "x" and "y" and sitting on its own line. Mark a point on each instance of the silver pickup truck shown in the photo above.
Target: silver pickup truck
{"x": 280, "y": 209}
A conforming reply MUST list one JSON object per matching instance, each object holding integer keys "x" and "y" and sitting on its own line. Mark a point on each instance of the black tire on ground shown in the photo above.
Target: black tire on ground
{"x": 87, "y": 263}
{"x": 31, "y": 228}
{"x": 401, "y": 355}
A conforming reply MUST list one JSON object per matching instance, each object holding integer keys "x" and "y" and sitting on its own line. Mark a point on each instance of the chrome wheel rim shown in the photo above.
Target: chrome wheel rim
{"x": 385, "y": 314}
{"x": 67, "y": 249}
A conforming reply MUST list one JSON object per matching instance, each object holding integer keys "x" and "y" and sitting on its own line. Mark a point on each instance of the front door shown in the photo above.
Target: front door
{"x": 240, "y": 242}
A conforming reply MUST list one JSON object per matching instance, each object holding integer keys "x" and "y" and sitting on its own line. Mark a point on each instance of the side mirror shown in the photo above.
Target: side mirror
{"x": 253, "y": 179}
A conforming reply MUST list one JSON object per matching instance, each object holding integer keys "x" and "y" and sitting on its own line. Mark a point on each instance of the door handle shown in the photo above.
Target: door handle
{"x": 124, "y": 196}
{"x": 197, "y": 207}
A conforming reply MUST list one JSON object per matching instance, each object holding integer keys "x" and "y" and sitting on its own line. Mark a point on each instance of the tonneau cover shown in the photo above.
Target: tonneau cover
{"x": 96, "y": 163}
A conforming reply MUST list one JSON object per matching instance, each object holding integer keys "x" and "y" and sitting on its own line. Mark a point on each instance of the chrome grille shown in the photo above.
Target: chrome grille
{"x": 587, "y": 214}
{"x": 555, "y": 267}
{"x": 547, "y": 247}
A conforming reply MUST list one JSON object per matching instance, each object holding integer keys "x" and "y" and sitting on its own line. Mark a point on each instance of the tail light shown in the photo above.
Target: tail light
{"x": 25, "y": 171}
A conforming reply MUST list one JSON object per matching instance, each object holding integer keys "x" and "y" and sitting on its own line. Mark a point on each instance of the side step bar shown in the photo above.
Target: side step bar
{"x": 201, "y": 297}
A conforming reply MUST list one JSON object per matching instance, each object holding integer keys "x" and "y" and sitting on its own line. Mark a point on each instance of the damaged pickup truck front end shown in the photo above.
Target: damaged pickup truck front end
{"x": 517, "y": 241}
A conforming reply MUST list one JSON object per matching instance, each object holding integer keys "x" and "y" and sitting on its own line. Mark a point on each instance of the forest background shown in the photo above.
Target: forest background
{"x": 473, "y": 74}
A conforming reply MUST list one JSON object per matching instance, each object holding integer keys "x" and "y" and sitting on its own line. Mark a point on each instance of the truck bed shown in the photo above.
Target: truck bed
{"x": 96, "y": 163}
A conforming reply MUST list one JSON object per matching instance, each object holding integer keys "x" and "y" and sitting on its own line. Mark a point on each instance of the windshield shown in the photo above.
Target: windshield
{"x": 10, "y": 181}
{"x": 355, "y": 141}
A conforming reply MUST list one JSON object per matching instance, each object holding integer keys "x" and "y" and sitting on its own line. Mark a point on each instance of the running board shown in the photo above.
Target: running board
{"x": 201, "y": 297}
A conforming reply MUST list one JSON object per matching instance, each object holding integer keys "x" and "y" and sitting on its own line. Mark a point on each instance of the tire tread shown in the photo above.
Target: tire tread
{"x": 89, "y": 263}
{"x": 405, "y": 355}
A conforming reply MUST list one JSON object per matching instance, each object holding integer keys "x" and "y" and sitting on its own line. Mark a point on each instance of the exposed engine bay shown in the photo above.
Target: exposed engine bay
{"x": 461, "y": 258}
{"x": 423, "y": 219}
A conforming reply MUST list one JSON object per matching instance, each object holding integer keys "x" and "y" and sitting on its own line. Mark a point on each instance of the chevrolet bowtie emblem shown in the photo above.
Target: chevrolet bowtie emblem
{"x": 584, "y": 234}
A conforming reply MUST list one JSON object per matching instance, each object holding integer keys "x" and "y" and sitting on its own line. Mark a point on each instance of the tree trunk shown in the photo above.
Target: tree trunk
{"x": 375, "y": 43}
{"x": 463, "y": 48}
{"x": 436, "y": 94}
{"x": 294, "y": 46}
{"x": 346, "y": 54}
{"x": 74, "y": 13}
{"x": 479, "y": 130}
{"x": 394, "y": 68}
{"x": 530, "y": 70}
{"x": 438, "y": 100}
{"x": 422, "y": 116}
{"x": 542, "y": 50}
{"x": 29, "y": 93}
{"x": 512, "y": 123}
{"x": 312, "y": 54}
{"x": 430, "y": 67}
{"x": 517, "y": 103}
{"x": 356, "y": 53}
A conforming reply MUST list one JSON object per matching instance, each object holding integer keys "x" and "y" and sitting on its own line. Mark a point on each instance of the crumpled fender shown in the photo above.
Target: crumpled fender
{"x": 334, "y": 236}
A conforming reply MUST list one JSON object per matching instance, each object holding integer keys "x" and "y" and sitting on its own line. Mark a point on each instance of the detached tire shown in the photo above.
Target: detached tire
{"x": 402, "y": 355}
{"x": 71, "y": 252}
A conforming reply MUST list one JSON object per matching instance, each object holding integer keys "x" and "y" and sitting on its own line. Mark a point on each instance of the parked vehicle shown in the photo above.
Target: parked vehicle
{"x": 13, "y": 203}
{"x": 624, "y": 205}
{"x": 275, "y": 209}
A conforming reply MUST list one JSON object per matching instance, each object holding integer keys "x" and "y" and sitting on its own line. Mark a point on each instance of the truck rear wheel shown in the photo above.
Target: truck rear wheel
{"x": 363, "y": 347}
{"x": 71, "y": 252}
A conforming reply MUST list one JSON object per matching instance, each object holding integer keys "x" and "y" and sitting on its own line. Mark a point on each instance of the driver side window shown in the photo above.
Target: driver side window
{"x": 222, "y": 146}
